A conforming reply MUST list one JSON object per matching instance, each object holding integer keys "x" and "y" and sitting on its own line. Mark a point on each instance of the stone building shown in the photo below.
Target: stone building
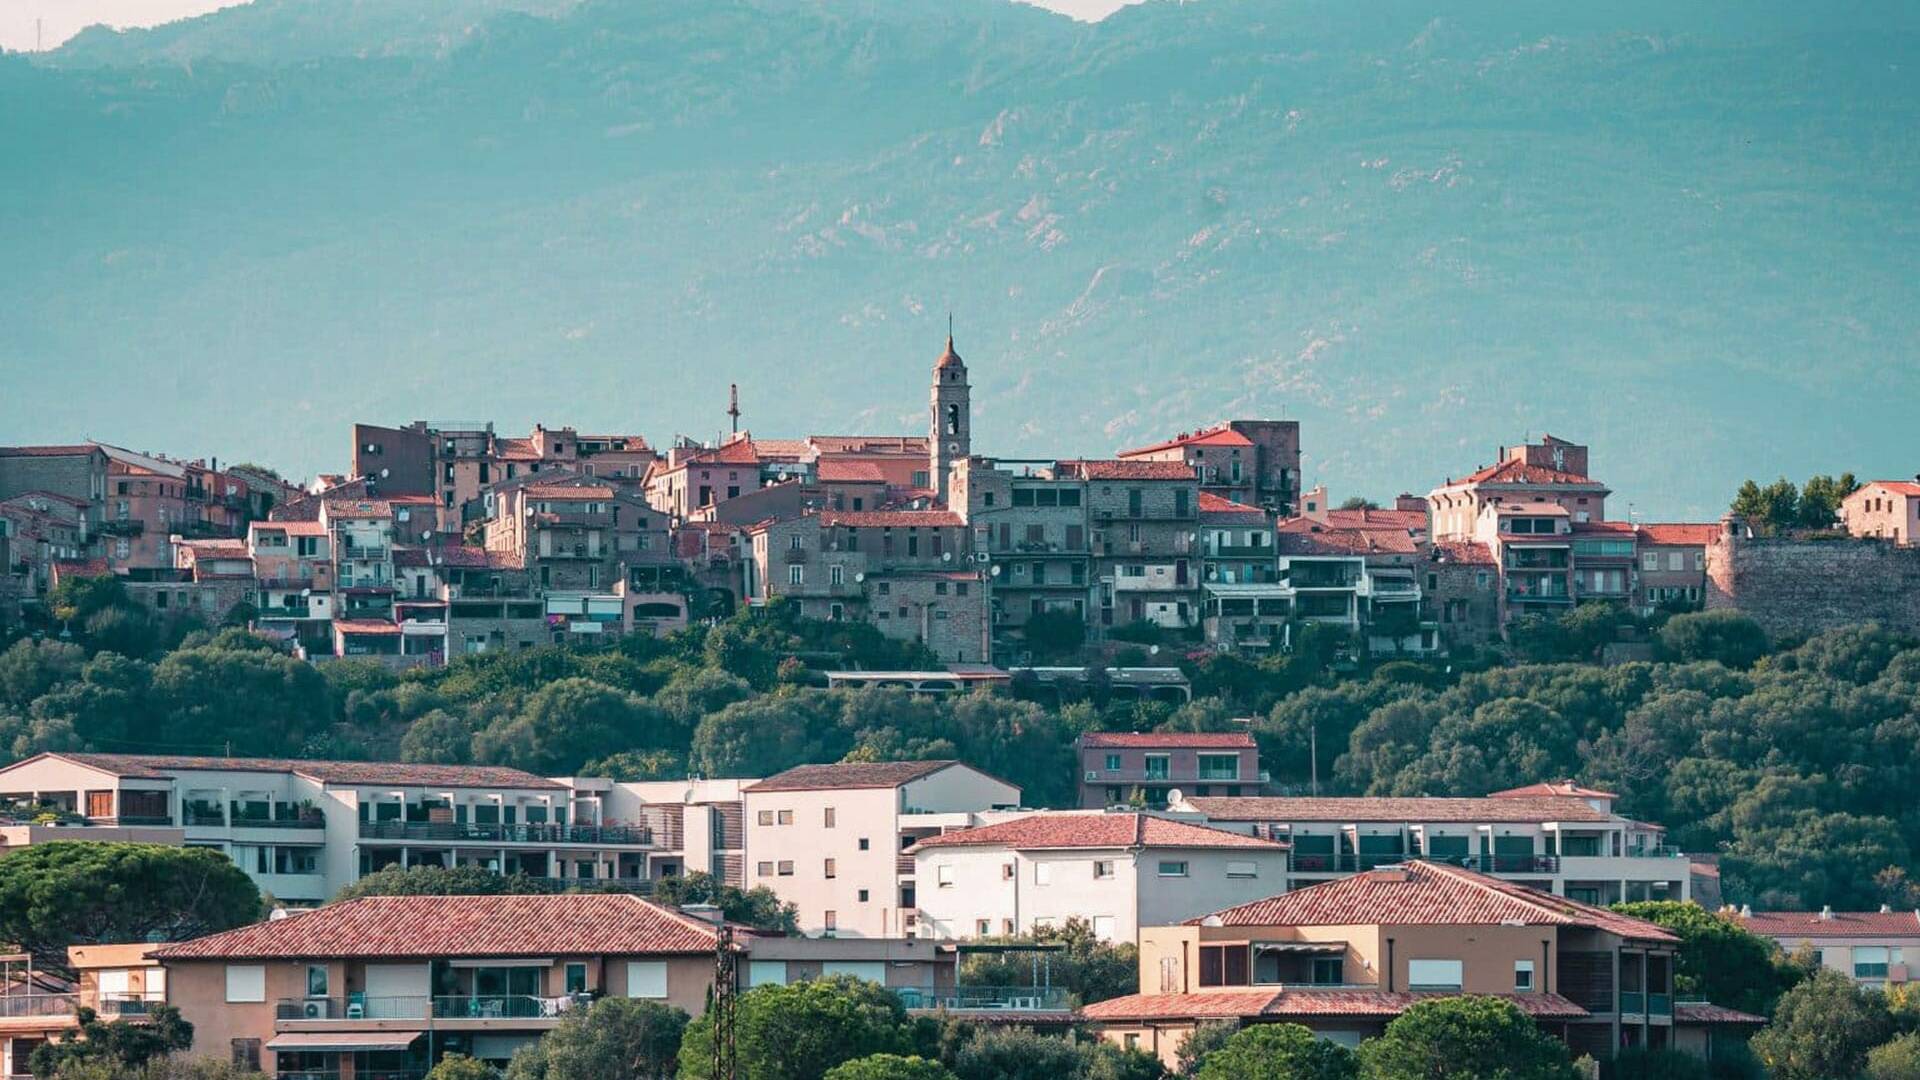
{"x": 1793, "y": 586}
{"x": 1145, "y": 520}
{"x": 1247, "y": 461}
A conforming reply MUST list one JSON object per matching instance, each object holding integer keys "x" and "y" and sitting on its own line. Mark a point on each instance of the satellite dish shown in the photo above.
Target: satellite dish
{"x": 426, "y": 534}
{"x": 858, "y": 578}
{"x": 946, "y": 556}
{"x": 383, "y": 474}
{"x": 996, "y": 571}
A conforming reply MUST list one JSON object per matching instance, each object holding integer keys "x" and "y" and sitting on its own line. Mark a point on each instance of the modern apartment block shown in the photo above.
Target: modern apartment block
{"x": 834, "y": 840}
{"x": 304, "y": 829}
{"x": 1118, "y": 871}
{"x": 1558, "y": 838}
{"x": 1345, "y": 957}
{"x": 1873, "y": 948}
{"x": 1116, "y": 766}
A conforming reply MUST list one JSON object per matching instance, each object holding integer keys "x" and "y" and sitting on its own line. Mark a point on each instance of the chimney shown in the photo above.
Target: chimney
{"x": 1886, "y": 909}
{"x": 1826, "y": 913}
{"x": 707, "y": 912}
{"x": 1746, "y": 911}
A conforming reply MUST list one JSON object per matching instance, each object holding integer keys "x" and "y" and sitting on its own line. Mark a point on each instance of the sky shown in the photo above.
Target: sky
{"x": 61, "y": 19}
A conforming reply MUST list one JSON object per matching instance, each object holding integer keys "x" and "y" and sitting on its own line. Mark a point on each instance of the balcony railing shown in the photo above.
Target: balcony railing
{"x": 1660, "y": 1004}
{"x": 903, "y": 864}
{"x": 1347, "y": 862}
{"x": 130, "y": 1005}
{"x": 500, "y": 1007}
{"x": 519, "y": 833}
{"x": 443, "y": 1007}
{"x": 20, "y": 1006}
{"x": 1632, "y": 1001}
{"x": 1513, "y": 864}
{"x": 984, "y": 998}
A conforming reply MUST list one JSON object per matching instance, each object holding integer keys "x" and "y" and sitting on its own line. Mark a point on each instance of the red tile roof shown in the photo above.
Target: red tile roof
{"x": 869, "y": 444}
{"x": 162, "y": 766}
{"x": 1430, "y": 894}
{"x": 1218, "y": 510}
{"x": 365, "y": 626}
{"x": 1096, "y": 830}
{"x": 1464, "y": 552}
{"x": 1259, "y": 1002}
{"x": 1214, "y": 436}
{"x": 1378, "y": 519}
{"x": 1701, "y": 1012}
{"x": 1552, "y": 789}
{"x": 850, "y": 774}
{"x": 1519, "y": 472}
{"x": 892, "y": 519}
{"x": 71, "y": 450}
{"x": 1487, "y": 811}
{"x": 1168, "y": 739}
{"x": 1126, "y": 470}
{"x": 1899, "y": 487}
{"x": 432, "y": 927}
{"x": 1681, "y": 534}
{"x": 585, "y": 492}
{"x": 838, "y": 471}
{"x": 1810, "y": 924}
{"x": 1304, "y": 536}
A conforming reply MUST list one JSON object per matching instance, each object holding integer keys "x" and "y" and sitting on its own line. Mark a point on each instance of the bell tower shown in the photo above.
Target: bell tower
{"x": 950, "y": 438}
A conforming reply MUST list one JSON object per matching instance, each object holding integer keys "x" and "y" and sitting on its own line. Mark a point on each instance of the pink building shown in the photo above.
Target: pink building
{"x": 1114, "y": 765}
{"x": 1888, "y": 509}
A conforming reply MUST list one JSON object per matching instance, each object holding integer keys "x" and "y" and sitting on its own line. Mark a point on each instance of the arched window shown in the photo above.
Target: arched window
{"x": 953, "y": 419}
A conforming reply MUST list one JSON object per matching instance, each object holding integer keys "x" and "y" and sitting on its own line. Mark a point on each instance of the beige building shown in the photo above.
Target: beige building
{"x": 833, "y": 840}
{"x": 392, "y": 984}
{"x": 117, "y": 982}
{"x": 1344, "y": 957}
{"x": 1887, "y": 509}
{"x": 1873, "y": 948}
{"x": 1117, "y": 871}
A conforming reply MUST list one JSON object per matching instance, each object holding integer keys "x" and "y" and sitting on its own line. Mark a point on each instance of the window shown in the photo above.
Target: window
{"x": 1173, "y": 868}
{"x": 830, "y": 869}
{"x": 317, "y": 980}
{"x": 246, "y": 983}
{"x": 1007, "y": 871}
{"x": 764, "y": 869}
{"x": 785, "y": 868}
{"x": 576, "y": 978}
{"x": 1329, "y": 970}
{"x": 796, "y": 574}
{"x": 1006, "y": 927}
{"x": 795, "y": 543}
{"x": 943, "y": 875}
{"x": 1433, "y": 974}
{"x": 1219, "y": 766}
{"x": 1870, "y": 961}
{"x": 1224, "y": 965}
{"x": 1243, "y": 870}
{"x": 1113, "y": 762}
{"x": 982, "y": 927}
{"x": 1131, "y": 1040}
{"x": 863, "y": 844}
{"x": 863, "y": 896}
{"x": 1523, "y": 976}
{"x": 1157, "y": 766}
{"x": 1103, "y": 927}
{"x": 1042, "y": 873}
{"x": 785, "y": 817}
{"x": 646, "y": 978}
{"x": 766, "y": 817}
{"x": 1102, "y": 869}
{"x": 837, "y": 574}
{"x": 831, "y": 920}
{"x": 246, "y": 1054}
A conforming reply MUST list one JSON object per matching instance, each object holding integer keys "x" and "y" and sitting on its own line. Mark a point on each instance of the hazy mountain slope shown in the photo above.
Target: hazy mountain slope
{"x": 1687, "y": 237}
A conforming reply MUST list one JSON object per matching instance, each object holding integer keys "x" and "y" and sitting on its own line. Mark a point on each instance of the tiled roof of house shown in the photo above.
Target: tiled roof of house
{"x": 1464, "y": 552}
{"x": 1553, "y": 788}
{"x": 581, "y": 492}
{"x": 891, "y": 519}
{"x": 1258, "y": 1002}
{"x": 1218, "y": 510}
{"x": 841, "y": 471}
{"x": 436, "y": 927}
{"x": 1702, "y": 1012}
{"x": 69, "y": 450}
{"x": 1420, "y": 893}
{"x": 163, "y": 766}
{"x": 1369, "y": 518}
{"x": 850, "y": 774}
{"x": 1153, "y": 740}
{"x": 1487, "y": 811}
{"x": 869, "y": 444}
{"x": 1304, "y": 536}
{"x": 365, "y": 626}
{"x": 1096, "y": 831}
{"x": 1519, "y": 472}
{"x": 1813, "y": 924}
{"x": 1214, "y": 436}
{"x": 1109, "y": 469}
{"x": 78, "y": 504}
{"x": 1687, "y": 534}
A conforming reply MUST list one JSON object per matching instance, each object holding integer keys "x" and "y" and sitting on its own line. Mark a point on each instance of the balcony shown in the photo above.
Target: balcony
{"x": 903, "y": 865}
{"x": 984, "y": 998}
{"x": 1632, "y": 1002}
{"x": 1512, "y": 864}
{"x": 1242, "y": 551}
{"x": 445, "y": 1007}
{"x": 515, "y": 834}
{"x": 312, "y": 821}
{"x": 128, "y": 527}
{"x": 1346, "y": 862}
{"x": 26, "y": 1006}
{"x": 129, "y": 1006}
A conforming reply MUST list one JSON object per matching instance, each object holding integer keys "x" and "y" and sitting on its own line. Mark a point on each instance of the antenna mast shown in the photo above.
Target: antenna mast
{"x": 733, "y": 405}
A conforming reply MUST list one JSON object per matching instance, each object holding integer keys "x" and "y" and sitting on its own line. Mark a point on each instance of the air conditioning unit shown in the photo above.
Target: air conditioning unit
{"x": 1092, "y": 776}
{"x": 314, "y": 1010}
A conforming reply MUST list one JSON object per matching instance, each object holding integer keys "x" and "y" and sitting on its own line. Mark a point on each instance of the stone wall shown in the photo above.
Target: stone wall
{"x": 1794, "y": 586}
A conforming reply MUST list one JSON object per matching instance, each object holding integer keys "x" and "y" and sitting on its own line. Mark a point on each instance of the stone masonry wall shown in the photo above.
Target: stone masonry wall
{"x": 1805, "y": 586}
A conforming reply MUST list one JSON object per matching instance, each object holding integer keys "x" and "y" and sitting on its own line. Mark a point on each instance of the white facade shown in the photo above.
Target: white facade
{"x": 973, "y": 892}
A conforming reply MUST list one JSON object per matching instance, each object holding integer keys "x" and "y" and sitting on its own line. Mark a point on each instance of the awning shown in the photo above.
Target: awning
{"x": 343, "y": 1041}
{"x": 516, "y": 962}
{"x": 1309, "y": 948}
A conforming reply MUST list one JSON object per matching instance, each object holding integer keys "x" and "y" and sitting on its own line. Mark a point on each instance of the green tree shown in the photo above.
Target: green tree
{"x": 1054, "y": 635}
{"x": 1769, "y": 510}
{"x": 442, "y": 881}
{"x": 1279, "y": 1052}
{"x": 1823, "y": 1029}
{"x": 1896, "y": 1060}
{"x": 616, "y": 1039}
{"x": 462, "y": 1067}
{"x": 215, "y": 695}
{"x": 798, "y": 1032}
{"x": 78, "y": 893}
{"x": 889, "y": 1067}
{"x": 1091, "y": 969}
{"x": 1639, "y": 1063}
{"x": 440, "y": 738}
{"x": 1000, "y": 1053}
{"x": 1729, "y": 637}
{"x": 1472, "y": 1038}
{"x": 759, "y": 907}
{"x": 1820, "y": 499}
{"x": 566, "y": 722}
{"x": 1204, "y": 1039}
{"x": 31, "y": 668}
{"x": 1720, "y": 960}
{"x": 120, "y": 1045}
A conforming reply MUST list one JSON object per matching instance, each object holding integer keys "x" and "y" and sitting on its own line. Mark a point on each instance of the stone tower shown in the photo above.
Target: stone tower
{"x": 951, "y": 436}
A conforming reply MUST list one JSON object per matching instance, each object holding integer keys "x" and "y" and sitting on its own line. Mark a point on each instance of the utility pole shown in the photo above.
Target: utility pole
{"x": 725, "y": 986}
{"x": 1313, "y": 755}
{"x": 733, "y": 405}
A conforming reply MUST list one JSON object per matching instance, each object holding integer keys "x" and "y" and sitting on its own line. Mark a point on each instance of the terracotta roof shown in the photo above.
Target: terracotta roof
{"x": 869, "y": 444}
{"x": 162, "y": 766}
{"x": 1110, "y": 469}
{"x": 365, "y": 626}
{"x": 1551, "y": 789}
{"x": 737, "y": 452}
{"x": 70, "y": 450}
{"x": 1217, "y": 510}
{"x": 896, "y": 519}
{"x": 291, "y": 528}
{"x": 1465, "y": 552}
{"x": 222, "y": 547}
{"x": 582, "y": 492}
{"x": 1810, "y": 924}
{"x": 948, "y": 358}
{"x": 1304, "y": 536}
{"x": 454, "y": 926}
{"x": 1899, "y": 487}
{"x": 1703, "y": 1012}
{"x": 1378, "y": 519}
{"x": 1214, "y": 436}
{"x": 840, "y": 471}
{"x": 1686, "y": 534}
{"x": 1258, "y": 1002}
{"x": 850, "y": 774}
{"x": 1616, "y": 527}
{"x": 1519, "y": 472}
{"x": 515, "y": 450}
{"x": 1096, "y": 831}
{"x": 1487, "y": 811}
{"x": 1420, "y": 893}
{"x": 1171, "y": 739}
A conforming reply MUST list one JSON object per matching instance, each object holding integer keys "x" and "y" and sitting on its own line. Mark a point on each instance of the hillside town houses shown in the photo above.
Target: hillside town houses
{"x": 446, "y": 539}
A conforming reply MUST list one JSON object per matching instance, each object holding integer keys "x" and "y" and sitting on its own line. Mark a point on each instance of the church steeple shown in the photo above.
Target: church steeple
{"x": 951, "y": 436}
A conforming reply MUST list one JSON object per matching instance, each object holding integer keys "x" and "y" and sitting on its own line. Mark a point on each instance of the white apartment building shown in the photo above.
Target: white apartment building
{"x": 1118, "y": 871}
{"x": 304, "y": 829}
{"x": 833, "y": 839}
{"x": 1558, "y": 838}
